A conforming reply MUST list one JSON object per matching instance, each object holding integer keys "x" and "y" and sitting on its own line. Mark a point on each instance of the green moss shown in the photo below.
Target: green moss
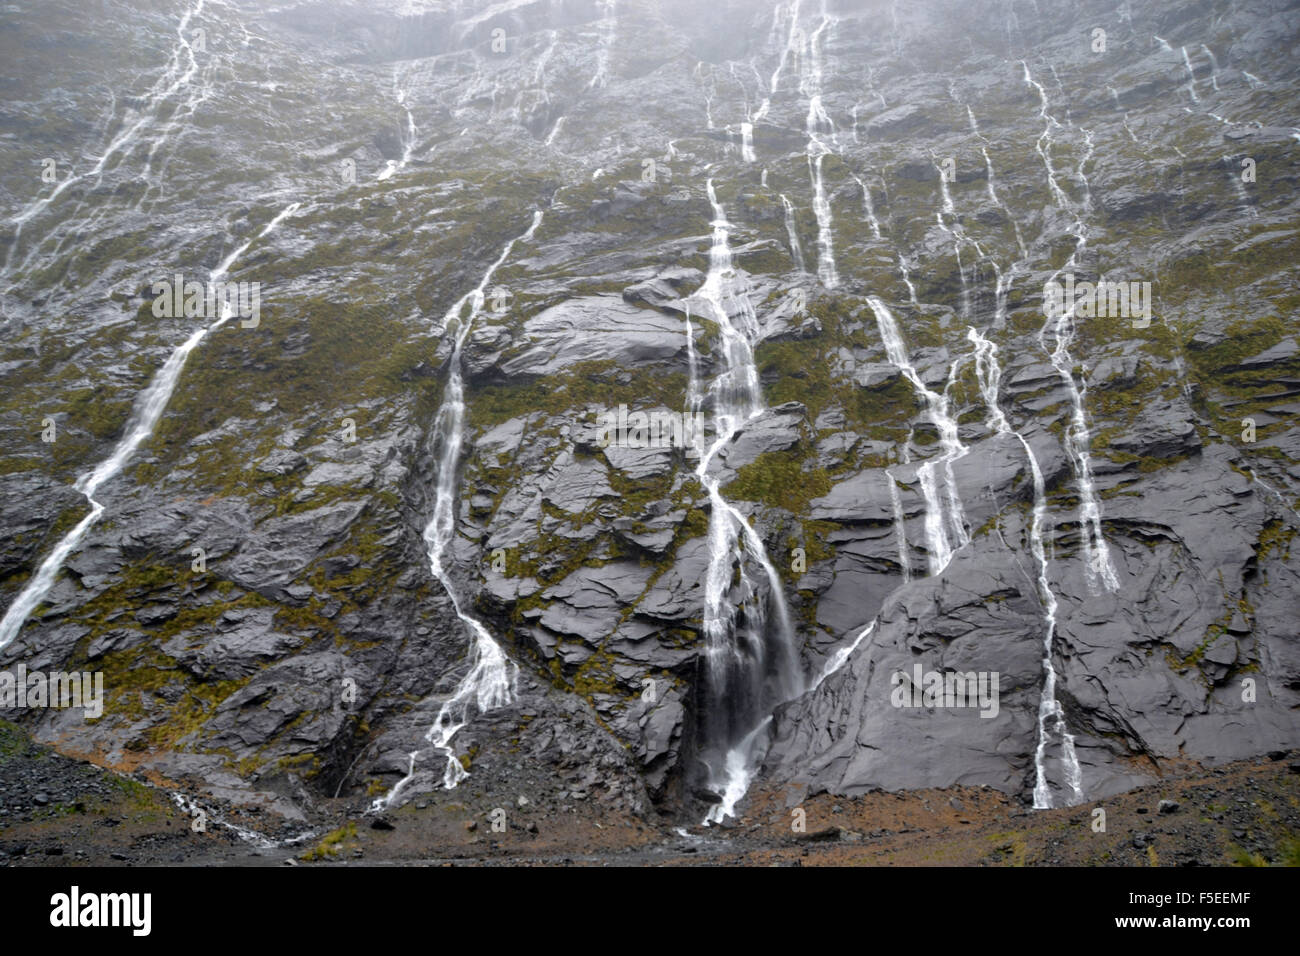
{"x": 1241, "y": 340}
{"x": 1239, "y": 857}
{"x": 332, "y": 844}
{"x": 778, "y": 478}
{"x": 13, "y": 740}
{"x": 1274, "y": 536}
{"x": 186, "y": 716}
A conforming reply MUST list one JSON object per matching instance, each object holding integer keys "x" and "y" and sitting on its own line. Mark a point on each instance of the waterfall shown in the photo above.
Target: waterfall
{"x": 490, "y": 681}
{"x": 606, "y": 30}
{"x": 796, "y": 250}
{"x": 900, "y": 530}
{"x": 1242, "y": 198}
{"x": 793, "y": 42}
{"x": 945, "y": 194}
{"x": 907, "y": 281}
{"x": 817, "y": 151}
{"x": 1078, "y": 438}
{"x": 1214, "y": 67}
{"x": 841, "y": 656}
{"x": 174, "y": 78}
{"x": 1078, "y": 442}
{"x": 1004, "y": 278}
{"x": 993, "y": 195}
{"x": 817, "y": 120}
{"x": 1049, "y": 708}
{"x": 407, "y": 137}
{"x": 1191, "y": 75}
{"x": 555, "y": 131}
{"x": 945, "y": 520}
{"x": 750, "y": 655}
{"x": 869, "y": 208}
{"x": 147, "y": 410}
{"x": 1051, "y": 716}
{"x": 1044, "y": 143}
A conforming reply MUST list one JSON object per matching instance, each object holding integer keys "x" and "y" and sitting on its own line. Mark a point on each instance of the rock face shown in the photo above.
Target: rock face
{"x": 1118, "y": 491}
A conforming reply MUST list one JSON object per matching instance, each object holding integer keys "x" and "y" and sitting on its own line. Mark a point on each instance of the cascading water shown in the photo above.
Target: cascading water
{"x": 1214, "y": 67}
{"x": 747, "y": 142}
{"x": 900, "y": 528}
{"x": 869, "y": 207}
{"x": 945, "y": 520}
{"x": 148, "y": 409}
{"x": 1044, "y": 143}
{"x": 1078, "y": 443}
{"x": 1049, "y": 708}
{"x": 395, "y": 166}
{"x": 1051, "y": 716}
{"x": 490, "y": 681}
{"x": 793, "y": 42}
{"x": 1242, "y": 199}
{"x": 175, "y": 77}
{"x": 805, "y": 50}
{"x": 841, "y": 656}
{"x": 750, "y": 658}
{"x": 555, "y": 131}
{"x": 1078, "y": 439}
{"x": 816, "y": 122}
{"x": 991, "y": 186}
{"x": 907, "y": 281}
{"x": 1004, "y": 278}
{"x": 1191, "y": 75}
{"x": 796, "y": 250}
{"x": 946, "y": 206}
{"x": 606, "y": 30}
